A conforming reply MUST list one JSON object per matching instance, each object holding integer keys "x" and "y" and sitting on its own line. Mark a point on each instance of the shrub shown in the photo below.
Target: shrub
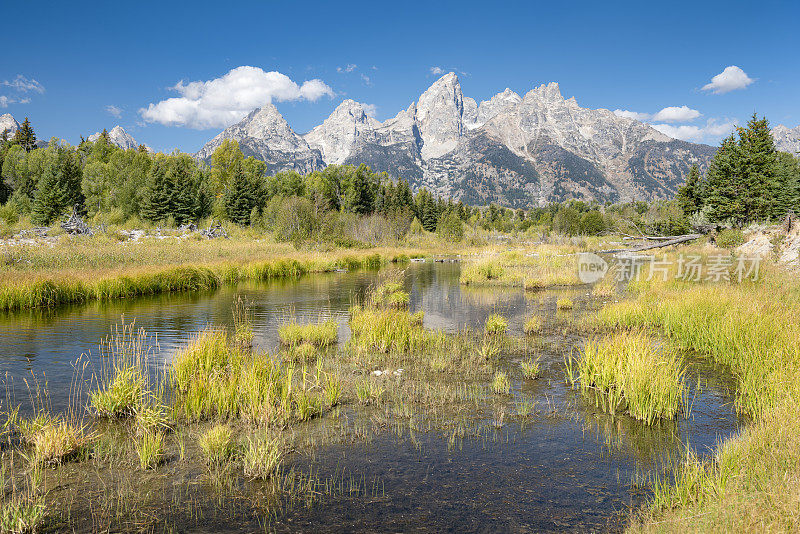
{"x": 729, "y": 238}
{"x": 564, "y": 304}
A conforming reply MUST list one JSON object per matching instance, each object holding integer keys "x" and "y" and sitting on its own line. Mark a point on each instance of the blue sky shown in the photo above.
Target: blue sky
{"x": 636, "y": 56}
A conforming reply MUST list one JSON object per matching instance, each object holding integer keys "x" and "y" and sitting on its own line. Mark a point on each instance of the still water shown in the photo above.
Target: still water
{"x": 570, "y": 469}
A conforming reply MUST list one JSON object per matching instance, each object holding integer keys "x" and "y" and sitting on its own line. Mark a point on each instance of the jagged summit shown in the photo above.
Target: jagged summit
{"x": 8, "y": 122}
{"x": 346, "y": 127}
{"x": 787, "y": 139}
{"x": 520, "y": 150}
{"x": 119, "y": 137}
{"x": 265, "y": 135}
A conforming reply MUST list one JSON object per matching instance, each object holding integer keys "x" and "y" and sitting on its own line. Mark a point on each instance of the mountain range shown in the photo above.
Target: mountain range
{"x": 512, "y": 149}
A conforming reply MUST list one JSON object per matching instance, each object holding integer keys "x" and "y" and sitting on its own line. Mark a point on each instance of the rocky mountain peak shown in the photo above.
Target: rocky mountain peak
{"x": 548, "y": 93}
{"x": 119, "y": 137}
{"x": 339, "y": 134}
{"x": 265, "y": 135}
{"x": 497, "y": 104}
{"x": 440, "y": 116}
{"x": 787, "y": 139}
{"x": 8, "y": 122}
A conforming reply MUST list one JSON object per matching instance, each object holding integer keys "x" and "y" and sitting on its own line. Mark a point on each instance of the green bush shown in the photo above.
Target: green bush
{"x": 729, "y": 238}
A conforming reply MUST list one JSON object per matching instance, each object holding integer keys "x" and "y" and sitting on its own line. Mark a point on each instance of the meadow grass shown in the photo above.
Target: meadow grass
{"x": 145, "y": 269}
{"x": 322, "y": 334}
{"x": 545, "y": 267}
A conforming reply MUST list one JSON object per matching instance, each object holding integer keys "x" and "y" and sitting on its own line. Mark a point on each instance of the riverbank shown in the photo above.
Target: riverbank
{"x": 752, "y": 328}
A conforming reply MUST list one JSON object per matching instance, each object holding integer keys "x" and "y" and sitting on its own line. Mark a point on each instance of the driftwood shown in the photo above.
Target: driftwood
{"x": 76, "y": 225}
{"x": 214, "y": 230}
{"x": 675, "y": 240}
{"x": 627, "y": 237}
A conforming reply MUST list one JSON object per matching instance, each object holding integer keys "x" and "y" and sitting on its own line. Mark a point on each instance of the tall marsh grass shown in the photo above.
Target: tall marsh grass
{"x": 626, "y": 372}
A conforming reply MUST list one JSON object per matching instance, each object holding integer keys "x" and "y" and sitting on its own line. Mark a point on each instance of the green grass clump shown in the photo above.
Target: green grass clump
{"x": 628, "y": 373}
{"x": 530, "y": 368}
{"x": 482, "y": 272}
{"x": 495, "y": 325}
{"x": 368, "y": 392}
{"x": 217, "y": 444}
{"x": 533, "y": 325}
{"x": 332, "y": 390}
{"x": 58, "y": 441}
{"x": 322, "y": 334}
{"x": 22, "y": 516}
{"x": 122, "y": 397}
{"x": 564, "y": 304}
{"x": 501, "y": 384}
{"x": 388, "y": 330}
{"x": 150, "y": 449}
{"x": 389, "y": 295}
{"x": 262, "y": 457}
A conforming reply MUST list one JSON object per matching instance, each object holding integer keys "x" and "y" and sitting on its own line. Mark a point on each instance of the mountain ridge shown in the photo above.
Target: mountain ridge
{"x": 519, "y": 150}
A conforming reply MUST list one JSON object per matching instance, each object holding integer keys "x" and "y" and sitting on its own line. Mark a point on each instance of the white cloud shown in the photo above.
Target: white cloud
{"x": 350, "y": 67}
{"x": 6, "y": 100}
{"x": 114, "y": 110}
{"x": 730, "y": 79}
{"x": 366, "y": 79}
{"x": 223, "y": 101}
{"x": 676, "y": 114}
{"x": 712, "y": 131}
{"x": 635, "y": 115}
{"x": 23, "y": 84}
{"x": 437, "y": 71}
{"x": 370, "y": 109}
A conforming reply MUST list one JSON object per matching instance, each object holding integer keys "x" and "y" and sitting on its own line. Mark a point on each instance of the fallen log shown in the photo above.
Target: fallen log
{"x": 675, "y": 240}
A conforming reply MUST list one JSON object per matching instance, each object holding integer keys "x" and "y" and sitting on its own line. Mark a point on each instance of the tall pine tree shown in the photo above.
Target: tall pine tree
{"x": 25, "y": 136}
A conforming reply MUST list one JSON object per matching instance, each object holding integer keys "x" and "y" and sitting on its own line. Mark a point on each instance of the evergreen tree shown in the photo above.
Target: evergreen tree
{"x": 758, "y": 161}
{"x": 240, "y": 198}
{"x": 361, "y": 192}
{"x": 157, "y": 195}
{"x": 25, "y": 136}
{"x": 724, "y": 184}
{"x": 689, "y": 195}
{"x": 49, "y": 201}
